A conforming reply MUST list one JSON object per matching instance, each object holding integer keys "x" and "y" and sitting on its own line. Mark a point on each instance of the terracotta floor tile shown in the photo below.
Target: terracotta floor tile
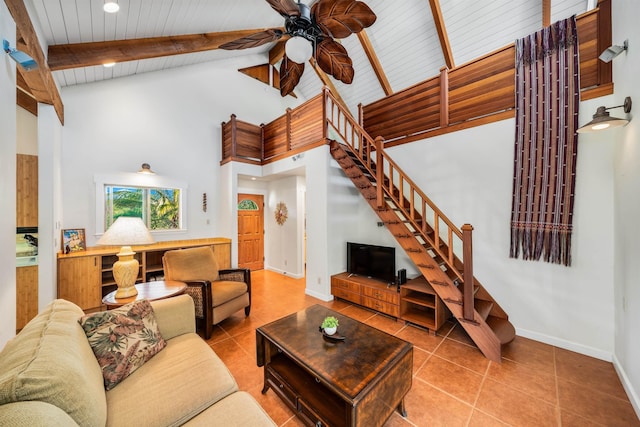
{"x": 480, "y": 419}
{"x": 420, "y": 338}
{"x": 453, "y": 379}
{"x": 419, "y": 358}
{"x": 427, "y": 406}
{"x": 385, "y": 323}
{"x": 594, "y": 405}
{"x": 463, "y": 355}
{"x": 273, "y": 405}
{"x": 458, "y": 333}
{"x": 514, "y": 407}
{"x": 532, "y": 353}
{"x": 358, "y": 313}
{"x": 518, "y": 392}
{"x": 589, "y": 371}
{"x": 525, "y": 379}
{"x": 570, "y": 419}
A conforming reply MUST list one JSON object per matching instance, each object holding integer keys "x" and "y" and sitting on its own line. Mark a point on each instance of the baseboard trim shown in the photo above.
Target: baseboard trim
{"x": 567, "y": 345}
{"x": 285, "y": 273}
{"x": 628, "y": 387}
{"x": 320, "y": 296}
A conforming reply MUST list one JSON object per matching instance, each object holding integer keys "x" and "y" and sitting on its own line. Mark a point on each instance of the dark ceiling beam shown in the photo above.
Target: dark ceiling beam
{"x": 438, "y": 20}
{"x": 546, "y": 13}
{"x": 76, "y": 55}
{"x": 277, "y": 51}
{"x": 375, "y": 63}
{"x": 40, "y": 81}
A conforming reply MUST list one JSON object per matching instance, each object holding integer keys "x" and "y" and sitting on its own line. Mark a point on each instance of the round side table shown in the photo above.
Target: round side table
{"x": 151, "y": 291}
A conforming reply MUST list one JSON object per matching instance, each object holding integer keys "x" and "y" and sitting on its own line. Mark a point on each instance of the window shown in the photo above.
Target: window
{"x": 159, "y": 208}
{"x": 247, "y": 205}
{"x": 160, "y": 201}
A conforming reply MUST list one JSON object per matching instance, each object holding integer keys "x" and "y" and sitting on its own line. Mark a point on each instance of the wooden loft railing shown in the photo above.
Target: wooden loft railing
{"x": 482, "y": 91}
{"x": 297, "y": 130}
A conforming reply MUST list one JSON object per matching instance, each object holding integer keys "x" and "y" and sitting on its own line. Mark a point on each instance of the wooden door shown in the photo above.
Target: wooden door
{"x": 251, "y": 231}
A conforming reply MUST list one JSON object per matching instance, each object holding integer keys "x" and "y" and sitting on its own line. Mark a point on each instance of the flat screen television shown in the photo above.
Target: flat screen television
{"x": 377, "y": 262}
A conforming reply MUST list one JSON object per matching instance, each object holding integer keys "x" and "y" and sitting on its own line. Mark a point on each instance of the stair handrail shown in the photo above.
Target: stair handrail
{"x": 363, "y": 145}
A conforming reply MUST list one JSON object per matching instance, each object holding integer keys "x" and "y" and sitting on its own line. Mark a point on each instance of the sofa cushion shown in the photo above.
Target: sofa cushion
{"x": 34, "y": 414}
{"x": 176, "y": 385}
{"x": 50, "y": 360}
{"x": 123, "y": 339}
{"x": 224, "y": 291}
{"x": 239, "y": 409}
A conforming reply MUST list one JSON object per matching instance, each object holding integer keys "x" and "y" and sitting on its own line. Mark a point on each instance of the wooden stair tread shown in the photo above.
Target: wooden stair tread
{"x": 503, "y": 329}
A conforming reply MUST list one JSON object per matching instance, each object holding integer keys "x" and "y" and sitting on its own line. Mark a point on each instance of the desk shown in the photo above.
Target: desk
{"x": 151, "y": 291}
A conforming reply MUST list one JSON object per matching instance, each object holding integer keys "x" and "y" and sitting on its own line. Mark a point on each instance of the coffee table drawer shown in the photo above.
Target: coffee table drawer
{"x": 384, "y": 307}
{"x": 281, "y": 388}
{"x": 310, "y": 416}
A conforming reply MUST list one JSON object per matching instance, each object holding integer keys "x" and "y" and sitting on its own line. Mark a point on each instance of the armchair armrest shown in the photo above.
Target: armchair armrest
{"x": 200, "y": 292}
{"x": 238, "y": 275}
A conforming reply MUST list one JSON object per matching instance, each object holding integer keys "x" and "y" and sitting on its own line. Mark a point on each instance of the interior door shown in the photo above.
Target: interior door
{"x": 251, "y": 231}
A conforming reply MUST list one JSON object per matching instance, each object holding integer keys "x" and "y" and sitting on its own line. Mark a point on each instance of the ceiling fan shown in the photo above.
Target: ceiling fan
{"x": 311, "y": 32}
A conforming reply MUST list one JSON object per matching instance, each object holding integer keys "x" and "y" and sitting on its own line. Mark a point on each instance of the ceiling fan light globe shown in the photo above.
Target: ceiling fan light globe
{"x": 111, "y": 7}
{"x": 298, "y": 49}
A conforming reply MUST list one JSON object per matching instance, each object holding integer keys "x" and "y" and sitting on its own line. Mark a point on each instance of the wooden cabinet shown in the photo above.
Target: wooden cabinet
{"x": 84, "y": 278}
{"x": 26, "y": 190}
{"x": 420, "y": 304}
{"x": 26, "y": 295}
{"x": 367, "y": 292}
{"x": 79, "y": 281}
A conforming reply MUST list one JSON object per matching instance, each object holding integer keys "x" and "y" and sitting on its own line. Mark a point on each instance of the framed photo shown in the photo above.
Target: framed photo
{"x": 73, "y": 240}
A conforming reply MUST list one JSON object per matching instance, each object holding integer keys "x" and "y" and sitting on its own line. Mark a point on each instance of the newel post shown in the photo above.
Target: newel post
{"x": 233, "y": 135}
{"x": 379, "y": 171}
{"x": 467, "y": 276}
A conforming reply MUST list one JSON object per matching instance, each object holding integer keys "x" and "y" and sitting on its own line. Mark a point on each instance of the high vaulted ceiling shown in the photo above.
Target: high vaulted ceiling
{"x": 410, "y": 41}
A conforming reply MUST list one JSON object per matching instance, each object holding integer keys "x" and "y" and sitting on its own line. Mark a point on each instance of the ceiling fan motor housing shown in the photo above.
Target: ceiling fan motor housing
{"x": 303, "y": 25}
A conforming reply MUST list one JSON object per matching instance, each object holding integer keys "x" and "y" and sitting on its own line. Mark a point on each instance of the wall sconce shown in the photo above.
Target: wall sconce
{"x": 146, "y": 169}
{"x": 24, "y": 60}
{"x": 602, "y": 119}
{"x": 613, "y": 51}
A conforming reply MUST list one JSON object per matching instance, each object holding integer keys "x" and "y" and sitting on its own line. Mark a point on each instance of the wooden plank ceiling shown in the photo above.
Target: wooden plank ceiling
{"x": 410, "y": 41}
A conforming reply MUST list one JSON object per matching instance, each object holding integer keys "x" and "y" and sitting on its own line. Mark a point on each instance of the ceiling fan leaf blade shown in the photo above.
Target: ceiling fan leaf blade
{"x": 333, "y": 59}
{"x": 254, "y": 40}
{"x": 290, "y": 74}
{"x": 341, "y": 18}
{"x": 285, "y": 7}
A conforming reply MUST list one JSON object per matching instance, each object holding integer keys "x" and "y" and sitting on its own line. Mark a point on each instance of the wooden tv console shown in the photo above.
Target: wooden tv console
{"x": 416, "y": 301}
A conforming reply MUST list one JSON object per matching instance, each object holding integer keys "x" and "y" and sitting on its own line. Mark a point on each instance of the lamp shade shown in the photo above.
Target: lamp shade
{"x": 298, "y": 49}
{"x": 127, "y": 231}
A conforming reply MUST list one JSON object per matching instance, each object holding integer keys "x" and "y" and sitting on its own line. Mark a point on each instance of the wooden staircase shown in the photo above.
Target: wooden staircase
{"x": 440, "y": 250}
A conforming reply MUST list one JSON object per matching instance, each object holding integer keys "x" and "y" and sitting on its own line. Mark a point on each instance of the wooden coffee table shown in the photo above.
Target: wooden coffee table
{"x": 356, "y": 382}
{"x": 152, "y": 291}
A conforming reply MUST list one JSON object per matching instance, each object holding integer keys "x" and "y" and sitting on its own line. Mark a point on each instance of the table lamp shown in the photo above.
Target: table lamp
{"x": 126, "y": 231}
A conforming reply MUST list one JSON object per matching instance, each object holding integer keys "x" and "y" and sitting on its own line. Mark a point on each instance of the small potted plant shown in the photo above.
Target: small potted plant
{"x": 329, "y": 325}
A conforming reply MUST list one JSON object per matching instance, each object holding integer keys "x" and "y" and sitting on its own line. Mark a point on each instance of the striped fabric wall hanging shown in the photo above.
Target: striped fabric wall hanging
{"x": 546, "y": 143}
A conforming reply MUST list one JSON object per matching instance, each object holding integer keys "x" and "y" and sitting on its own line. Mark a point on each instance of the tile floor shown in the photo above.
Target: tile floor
{"x": 453, "y": 383}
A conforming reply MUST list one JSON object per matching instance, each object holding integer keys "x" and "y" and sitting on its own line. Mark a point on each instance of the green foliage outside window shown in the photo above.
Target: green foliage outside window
{"x": 159, "y": 208}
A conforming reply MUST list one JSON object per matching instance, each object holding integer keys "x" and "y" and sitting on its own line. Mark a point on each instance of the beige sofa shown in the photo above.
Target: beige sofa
{"x": 50, "y": 377}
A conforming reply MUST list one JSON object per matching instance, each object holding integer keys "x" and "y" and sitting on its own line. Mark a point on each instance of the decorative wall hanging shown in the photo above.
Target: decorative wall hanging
{"x": 281, "y": 213}
{"x": 546, "y": 146}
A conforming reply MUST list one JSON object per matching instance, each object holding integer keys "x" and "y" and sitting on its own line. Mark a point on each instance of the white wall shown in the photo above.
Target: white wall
{"x": 26, "y": 132}
{"x": 627, "y": 200}
{"x": 468, "y": 174}
{"x": 8, "y": 182}
{"x": 169, "y": 119}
